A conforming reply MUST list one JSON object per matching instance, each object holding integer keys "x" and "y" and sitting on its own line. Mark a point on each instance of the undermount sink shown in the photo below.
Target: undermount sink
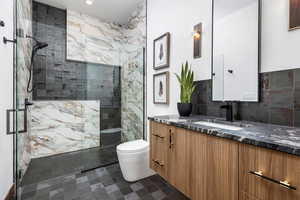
{"x": 217, "y": 125}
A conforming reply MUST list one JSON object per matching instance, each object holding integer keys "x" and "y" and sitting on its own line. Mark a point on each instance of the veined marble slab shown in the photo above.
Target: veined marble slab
{"x": 64, "y": 126}
{"x": 24, "y": 46}
{"x": 92, "y": 40}
{"x": 95, "y": 41}
{"x": 132, "y": 97}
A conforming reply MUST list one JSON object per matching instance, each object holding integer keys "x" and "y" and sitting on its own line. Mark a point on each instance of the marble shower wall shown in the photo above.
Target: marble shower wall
{"x": 92, "y": 40}
{"x": 64, "y": 126}
{"x": 132, "y": 110}
{"x": 133, "y": 75}
{"x": 23, "y": 53}
{"x": 56, "y": 78}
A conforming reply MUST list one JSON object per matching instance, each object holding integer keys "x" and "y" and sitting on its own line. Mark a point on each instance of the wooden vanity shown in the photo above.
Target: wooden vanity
{"x": 205, "y": 167}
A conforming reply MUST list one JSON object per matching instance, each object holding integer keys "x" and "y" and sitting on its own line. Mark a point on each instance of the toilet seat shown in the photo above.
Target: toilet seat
{"x": 133, "y": 146}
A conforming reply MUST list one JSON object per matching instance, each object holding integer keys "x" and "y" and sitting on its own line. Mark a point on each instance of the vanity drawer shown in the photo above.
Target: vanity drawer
{"x": 158, "y": 148}
{"x": 159, "y": 131}
{"x": 268, "y": 175}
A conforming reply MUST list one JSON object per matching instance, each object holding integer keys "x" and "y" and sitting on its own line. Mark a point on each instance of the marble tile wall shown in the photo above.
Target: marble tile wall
{"x": 83, "y": 78}
{"x": 56, "y": 78}
{"x": 133, "y": 75}
{"x": 92, "y": 40}
{"x": 23, "y": 53}
{"x": 279, "y": 100}
{"x": 64, "y": 126}
{"x": 132, "y": 110}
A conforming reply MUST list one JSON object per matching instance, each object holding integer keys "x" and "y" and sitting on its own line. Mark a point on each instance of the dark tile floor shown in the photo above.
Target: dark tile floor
{"x": 41, "y": 169}
{"x": 104, "y": 183}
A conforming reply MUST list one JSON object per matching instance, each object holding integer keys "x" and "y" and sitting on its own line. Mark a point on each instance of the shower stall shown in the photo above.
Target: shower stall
{"x": 79, "y": 89}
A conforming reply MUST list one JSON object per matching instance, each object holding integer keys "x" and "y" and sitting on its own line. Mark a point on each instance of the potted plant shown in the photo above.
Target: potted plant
{"x": 186, "y": 81}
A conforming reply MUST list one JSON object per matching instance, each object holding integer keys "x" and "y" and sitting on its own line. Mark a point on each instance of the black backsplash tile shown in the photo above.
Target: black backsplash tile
{"x": 281, "y": 116}
{"x": 297, "y": 117}
{"x": 296, "y": 99}
{"x": 279, "y": 100}
{"x": 282, "y": 79}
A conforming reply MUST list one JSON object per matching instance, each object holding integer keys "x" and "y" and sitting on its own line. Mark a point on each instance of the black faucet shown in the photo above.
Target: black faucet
{"x": 229, "y": 113}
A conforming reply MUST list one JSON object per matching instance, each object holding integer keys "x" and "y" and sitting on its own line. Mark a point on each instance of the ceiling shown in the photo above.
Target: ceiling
{"x": 117, "y": 11}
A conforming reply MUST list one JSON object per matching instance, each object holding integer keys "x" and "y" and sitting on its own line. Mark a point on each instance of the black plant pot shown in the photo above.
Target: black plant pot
{"x": 184, "y": 109}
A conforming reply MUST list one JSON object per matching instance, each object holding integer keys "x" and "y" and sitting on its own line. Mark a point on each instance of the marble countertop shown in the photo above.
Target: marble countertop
{"x": 281, "y": 138}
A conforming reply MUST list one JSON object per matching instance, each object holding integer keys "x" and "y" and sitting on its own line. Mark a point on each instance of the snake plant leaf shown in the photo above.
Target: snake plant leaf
{"x": 186, "y": 81}
{"x": 178, "y": 78}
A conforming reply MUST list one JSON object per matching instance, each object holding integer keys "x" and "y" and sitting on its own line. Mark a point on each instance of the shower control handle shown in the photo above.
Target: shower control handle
{"x": 2, "y": 24}
{"x": 5, "y": 40}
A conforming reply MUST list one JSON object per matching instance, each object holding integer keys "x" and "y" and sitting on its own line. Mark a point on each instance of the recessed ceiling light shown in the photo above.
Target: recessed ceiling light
{"x": 89, "y": 2}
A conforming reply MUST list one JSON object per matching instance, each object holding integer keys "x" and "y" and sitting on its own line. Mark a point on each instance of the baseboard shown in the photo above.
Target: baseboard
{"x": 11, "y": 194}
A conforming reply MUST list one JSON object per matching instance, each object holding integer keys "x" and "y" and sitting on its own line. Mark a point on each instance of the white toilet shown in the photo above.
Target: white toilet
{"x": 134, "y": 160}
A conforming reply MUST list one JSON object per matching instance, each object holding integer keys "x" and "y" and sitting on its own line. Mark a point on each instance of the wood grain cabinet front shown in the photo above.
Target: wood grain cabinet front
{"x": 214, "y": 168}
{"x": 200, "y": 166}
{"x": 268, "y": 175}
{"x": 178, "y": 168}
{"x": 205, "y": 167}
{"x": 159, "y": 148}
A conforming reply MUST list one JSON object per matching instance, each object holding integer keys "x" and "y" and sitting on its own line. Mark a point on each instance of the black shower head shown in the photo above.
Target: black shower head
{"x": 39, "y": 45}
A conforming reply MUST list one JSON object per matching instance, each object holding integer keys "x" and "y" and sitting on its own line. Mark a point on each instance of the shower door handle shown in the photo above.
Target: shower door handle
{"x": 10, "y": 113}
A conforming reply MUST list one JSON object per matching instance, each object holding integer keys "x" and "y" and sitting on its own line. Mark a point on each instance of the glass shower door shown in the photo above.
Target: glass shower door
{"x": 22, "y": 63}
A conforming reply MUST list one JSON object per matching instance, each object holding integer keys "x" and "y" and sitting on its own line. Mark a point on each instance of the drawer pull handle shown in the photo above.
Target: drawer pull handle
{"x": 282, "y": 183}
{"x": 161, "y": 137}
{"x": 171, "y": 139}
{"x": 159, "y": 163}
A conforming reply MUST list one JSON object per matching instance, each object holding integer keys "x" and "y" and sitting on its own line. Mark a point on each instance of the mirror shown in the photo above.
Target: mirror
{"x": 235, "y": 52}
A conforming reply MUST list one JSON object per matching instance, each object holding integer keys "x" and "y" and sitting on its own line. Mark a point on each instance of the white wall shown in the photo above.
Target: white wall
{"x": 177, "y": 17}
{"x": 6, "y": 100}
{"x": 280, "y": 49}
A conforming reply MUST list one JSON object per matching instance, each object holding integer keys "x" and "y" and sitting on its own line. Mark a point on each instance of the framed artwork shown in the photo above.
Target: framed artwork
{"x": 161, "y": 51}
{"x": 161, "y": 88}
{"x": 294, "y": 14}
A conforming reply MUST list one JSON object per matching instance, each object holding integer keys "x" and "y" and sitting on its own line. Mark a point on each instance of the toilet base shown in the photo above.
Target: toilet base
{"x": 135, "y": 166}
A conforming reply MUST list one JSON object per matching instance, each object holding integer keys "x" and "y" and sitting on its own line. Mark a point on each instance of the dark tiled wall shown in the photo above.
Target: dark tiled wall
{"x": 55, "y": 78}
{"x": 110, "y": 118}
{"x": 279, "y": 100}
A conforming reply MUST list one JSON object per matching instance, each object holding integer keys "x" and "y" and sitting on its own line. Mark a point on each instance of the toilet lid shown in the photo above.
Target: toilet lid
{"x": 133, "y": 146}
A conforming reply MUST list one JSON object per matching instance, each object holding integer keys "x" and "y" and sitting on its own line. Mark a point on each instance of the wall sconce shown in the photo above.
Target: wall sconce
{"x": 197, "y": 35}
{"x": 89, "y": 2}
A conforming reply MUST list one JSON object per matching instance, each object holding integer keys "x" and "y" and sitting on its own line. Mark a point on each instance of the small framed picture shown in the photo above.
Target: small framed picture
{"x": 161, "y": 88}
{"x": 161, "y": 52}
{"x": 294, "y": 15}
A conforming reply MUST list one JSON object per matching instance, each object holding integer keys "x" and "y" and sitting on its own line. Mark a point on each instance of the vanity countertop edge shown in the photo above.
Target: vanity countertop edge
{"x": 280, "y": 138}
